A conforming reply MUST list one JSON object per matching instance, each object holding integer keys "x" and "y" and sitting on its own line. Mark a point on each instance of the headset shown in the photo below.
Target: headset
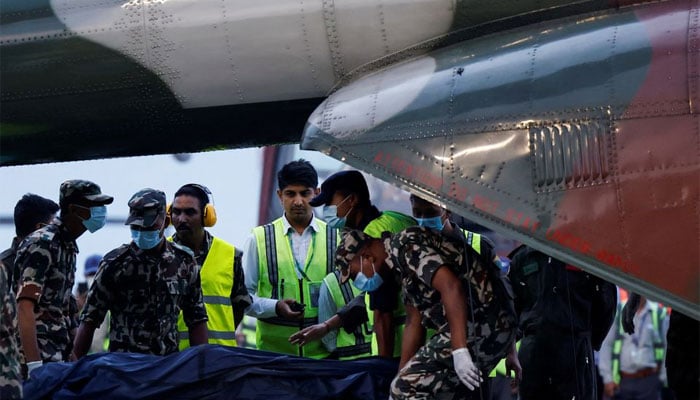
{"x": 209, "y": 213}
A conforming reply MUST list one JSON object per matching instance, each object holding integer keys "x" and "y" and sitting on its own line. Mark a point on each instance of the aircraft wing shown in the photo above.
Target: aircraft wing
{"x": 86, "y": 79}
{"x": 578, "y": 136}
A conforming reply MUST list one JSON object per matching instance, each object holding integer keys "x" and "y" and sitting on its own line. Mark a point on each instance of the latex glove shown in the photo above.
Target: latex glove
{"x": 32, "y": 365}
{"x": 467, "y": 372}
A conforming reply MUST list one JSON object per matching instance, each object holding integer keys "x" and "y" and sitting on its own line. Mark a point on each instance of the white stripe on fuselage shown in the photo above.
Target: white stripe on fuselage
{"x": 213, "y": 53}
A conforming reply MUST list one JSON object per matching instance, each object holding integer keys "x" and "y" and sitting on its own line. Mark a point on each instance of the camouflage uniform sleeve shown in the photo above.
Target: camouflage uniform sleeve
{"x": 424, "y": 258}
{"x": 10, "y": 382}
{"x": 33, "y": 260}
{"x": 99, "y": 296}
{"x": 240, "y": 298}
{"x": 193, "y": 310}
{"x": 72, "y": 313}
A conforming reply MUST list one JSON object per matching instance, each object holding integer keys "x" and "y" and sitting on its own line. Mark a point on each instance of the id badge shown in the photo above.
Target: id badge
{"x": 314, "y": 292}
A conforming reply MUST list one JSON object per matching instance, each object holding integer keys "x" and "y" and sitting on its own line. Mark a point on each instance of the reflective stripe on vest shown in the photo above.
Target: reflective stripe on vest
{"x": 278, "y": 280}
{"x": 657, "y": 314}
{"x": 358, "y": 343}
{"x": 473, "y": 240}
{"x": 217, "y": 283}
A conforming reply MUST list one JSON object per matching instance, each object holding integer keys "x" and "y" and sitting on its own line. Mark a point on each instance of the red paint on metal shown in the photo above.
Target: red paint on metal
{"x": 645, "y": 220}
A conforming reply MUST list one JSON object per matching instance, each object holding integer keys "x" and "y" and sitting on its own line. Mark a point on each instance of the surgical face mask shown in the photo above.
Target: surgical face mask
{"x": 434, "y": 222}
{"x": 330, "y": 215}
{"x": 146, "y": 240}
{"x": 98, "y": 218}
{"x": 366, "y": 284}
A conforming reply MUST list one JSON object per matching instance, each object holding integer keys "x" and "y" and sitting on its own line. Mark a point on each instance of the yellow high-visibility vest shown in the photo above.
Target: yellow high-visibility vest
{"x": 216, "y": 276}
{"x": 278, "y": 280}
{"x": 358, "y": 343}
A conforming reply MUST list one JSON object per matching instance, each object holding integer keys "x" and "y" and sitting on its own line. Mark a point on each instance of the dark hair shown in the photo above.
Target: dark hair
{"x": 31, "y": 210}
{"x": 194, "y": 191}
{"x": 299, "y": 172}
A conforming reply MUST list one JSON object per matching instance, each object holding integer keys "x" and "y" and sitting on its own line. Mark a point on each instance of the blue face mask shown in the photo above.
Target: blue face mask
{"x": 98, "y": 219}
{"x": 366, "y": 284}
{"x": 330, "y": 215}
{"x": 434, "y": 222}
{"x": 146, "y": 240}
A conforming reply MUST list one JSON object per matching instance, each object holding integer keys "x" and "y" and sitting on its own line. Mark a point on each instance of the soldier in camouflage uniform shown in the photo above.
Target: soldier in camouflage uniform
{"x": 45, "y": 273}
{"x": 31, "y": 213}
{"x": 10, "y": 380}
{"x": 144, "y": 285}
{"x": 461, "y": 292}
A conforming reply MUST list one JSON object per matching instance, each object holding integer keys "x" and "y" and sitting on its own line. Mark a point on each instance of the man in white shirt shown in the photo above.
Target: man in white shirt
{"x": 285, "y": 262}
{"x": 631, "y": 365}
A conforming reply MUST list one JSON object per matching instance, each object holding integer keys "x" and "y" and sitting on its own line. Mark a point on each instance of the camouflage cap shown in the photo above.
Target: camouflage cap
{"x": 350, "y": 243}
{"x": 145, "y": 206}
{"x": 79, "y": 189}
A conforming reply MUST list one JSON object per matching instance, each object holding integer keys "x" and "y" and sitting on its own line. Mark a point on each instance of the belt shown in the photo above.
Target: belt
{"x": 642, "y": 373}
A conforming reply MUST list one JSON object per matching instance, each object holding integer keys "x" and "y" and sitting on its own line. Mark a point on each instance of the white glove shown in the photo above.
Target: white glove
{"x": 467, "y": 372}
{"x": 32, "y": 365}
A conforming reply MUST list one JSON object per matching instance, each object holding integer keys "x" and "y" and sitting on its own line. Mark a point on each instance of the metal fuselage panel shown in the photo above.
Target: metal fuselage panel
{"x": 578, "y": 136}
{"x": 90, "y": 79}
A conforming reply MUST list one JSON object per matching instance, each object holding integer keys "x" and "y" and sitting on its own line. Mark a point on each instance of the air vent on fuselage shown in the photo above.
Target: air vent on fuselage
{"x": 567, "y": 155}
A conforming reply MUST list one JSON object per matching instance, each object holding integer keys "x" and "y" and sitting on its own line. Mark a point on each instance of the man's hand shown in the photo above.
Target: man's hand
{"x": 467, "y": 372}
{"x": 283, "y": 308}
{"x": 609, "y": 389}
{"x": 513, "y": 364}
{"x": 309, "y": 334}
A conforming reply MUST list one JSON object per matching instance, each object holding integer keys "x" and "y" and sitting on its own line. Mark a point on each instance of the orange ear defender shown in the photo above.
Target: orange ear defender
{"x": 209, "y": 214}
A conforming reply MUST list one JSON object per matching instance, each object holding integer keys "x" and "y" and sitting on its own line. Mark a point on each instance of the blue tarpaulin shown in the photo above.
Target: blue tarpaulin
{"x": 211, "y": 372}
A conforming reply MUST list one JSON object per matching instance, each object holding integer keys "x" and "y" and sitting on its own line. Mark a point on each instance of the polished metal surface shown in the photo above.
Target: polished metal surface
{"x": 579, "y": 137}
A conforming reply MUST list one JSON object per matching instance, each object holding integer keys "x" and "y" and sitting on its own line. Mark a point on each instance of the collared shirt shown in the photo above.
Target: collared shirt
{"x": 144, "y": 293}
{"x": 45, "y": 273}
{"x": 637, "y": 351}
{"x": 240, "y": 299}
{"x": 264, "y": 307}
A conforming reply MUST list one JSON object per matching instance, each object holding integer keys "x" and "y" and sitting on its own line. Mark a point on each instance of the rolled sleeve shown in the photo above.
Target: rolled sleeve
{"x": 33, "y": 261}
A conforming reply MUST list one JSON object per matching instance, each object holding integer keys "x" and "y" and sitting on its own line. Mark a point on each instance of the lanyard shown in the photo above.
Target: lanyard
{"x": 296, "y": 262}
{"x": 300, "y": 269}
